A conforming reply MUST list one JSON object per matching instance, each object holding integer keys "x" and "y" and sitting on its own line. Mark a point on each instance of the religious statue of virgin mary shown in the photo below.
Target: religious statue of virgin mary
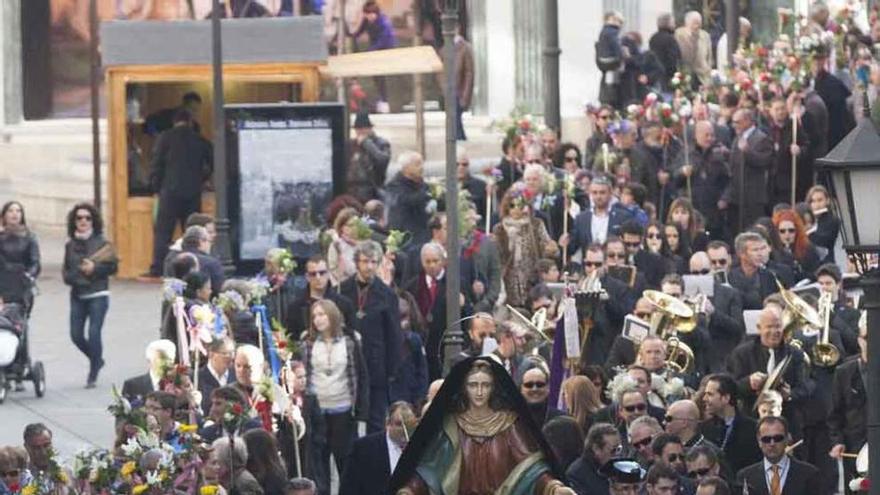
{"x": 477, "y": 438}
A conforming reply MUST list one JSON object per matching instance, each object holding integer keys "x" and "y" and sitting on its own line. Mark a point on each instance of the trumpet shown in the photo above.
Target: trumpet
{"x": 825, "y": 354}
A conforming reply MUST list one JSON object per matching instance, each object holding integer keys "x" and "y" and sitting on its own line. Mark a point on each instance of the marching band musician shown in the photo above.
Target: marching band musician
{"x": 843, "y": 318}
{"x": 725, "y": 327}
{"x": 615, "y": 256}
{"x": 652, "y": 265}
{"x": 759, "y": 358}
{"x": 751, "y": 276}
{"x": 847, "y": 421}
{"x": 607, "y": 314}
{"x": 624, "y": 350}
{"x": 698, "y": 339}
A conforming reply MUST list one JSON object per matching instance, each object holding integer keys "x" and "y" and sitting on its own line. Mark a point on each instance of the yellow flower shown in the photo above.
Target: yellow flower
{"x": 187, "y": 429}
{"x": 139, "y": 489}
{"x": 62, "y": 477}
{"x": 128, "y": 468}
{"x": 29, "y": 490}
{"x": 209, "y": 490}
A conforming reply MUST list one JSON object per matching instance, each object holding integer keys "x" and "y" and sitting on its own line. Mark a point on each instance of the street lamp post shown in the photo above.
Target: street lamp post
{"x": 551, "y": 66}
{"x": 453, "y": 338}
{"x": 854, "y": 168}
{"x": 221, "y": 242}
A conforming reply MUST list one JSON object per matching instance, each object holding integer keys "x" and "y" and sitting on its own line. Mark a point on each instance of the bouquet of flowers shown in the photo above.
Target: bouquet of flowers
{"x": 230, "y": 301}
{"x": 396, "y": 240}
{"x": 436, "y": 187}
{"x": 520, "y": 196}
{"x": 172, "y": 288}
{"x": 518, "y": 123}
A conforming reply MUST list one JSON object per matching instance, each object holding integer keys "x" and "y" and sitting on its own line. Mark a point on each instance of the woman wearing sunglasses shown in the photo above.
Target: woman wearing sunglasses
{"x": 89, "y": 260}
{"x": 795, "y": 248}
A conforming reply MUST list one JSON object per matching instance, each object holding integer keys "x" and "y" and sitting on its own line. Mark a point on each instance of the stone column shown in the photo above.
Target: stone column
{"x": 10, "y": 62}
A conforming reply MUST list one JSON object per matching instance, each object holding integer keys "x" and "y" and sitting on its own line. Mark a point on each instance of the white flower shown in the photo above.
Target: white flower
{"x": 131, "y": 447}
{"x": 153, "y": 478}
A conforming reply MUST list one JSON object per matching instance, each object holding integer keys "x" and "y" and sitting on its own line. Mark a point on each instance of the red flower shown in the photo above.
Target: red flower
{"x": 282, "y": 344}
{"x": 14, "y": 487}
{"x": 528, "y": 194}
{"x": 865, "y": 485}
{"x": 666, "y": 112}
{"x": 525, "y": 124}
{"x": 237, "y": 409}
{"x": 761, "y": 51}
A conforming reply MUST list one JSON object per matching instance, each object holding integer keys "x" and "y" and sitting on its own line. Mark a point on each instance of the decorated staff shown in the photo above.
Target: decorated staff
{"x": 794, "y": 132}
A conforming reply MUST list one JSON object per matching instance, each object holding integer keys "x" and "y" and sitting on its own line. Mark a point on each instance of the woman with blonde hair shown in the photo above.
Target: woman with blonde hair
{"x": 337, "y": 374}
{"x": 581, "y": 400}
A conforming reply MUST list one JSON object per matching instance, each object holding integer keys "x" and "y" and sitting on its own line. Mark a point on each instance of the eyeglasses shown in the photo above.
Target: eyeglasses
{"x": 594, "y": 264}
{"x": 643, "y": 442}
{"x": 632, "y": 244}
{"x": 675, "y": 457}
{"x": 787, "y": 231}
{"x": 84, "y": 217}
{"x": 772, "y": 439}
{"x": 616, "y": 255}
{"x": 635, "y": 407}
{"x": 721, "y": 262}
{"x": 534, "y": 385}
{"x": 10, "y": 473}
{"x": 699, "y": 473}
{"x": 317, "y": 273}
{"x": 704, "y": 271}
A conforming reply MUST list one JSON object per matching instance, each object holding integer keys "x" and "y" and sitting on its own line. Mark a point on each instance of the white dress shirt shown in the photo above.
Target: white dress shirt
{"x": 394, "y": 452}
{"x": 784, "y": 465}
{"x": 221, "y": 378}
{"x": 599, "y": 226}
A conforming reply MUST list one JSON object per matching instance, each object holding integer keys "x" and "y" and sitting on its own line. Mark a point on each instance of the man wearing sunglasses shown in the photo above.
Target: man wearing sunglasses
{"x": 586, "y": 475}
{"x": 651, "y": 264}
{"x": 669, "y": 452}
{"x": 641, "y": 434}
{"x": 624, "y": 350}
{"x": 777, "y": 473}
{"x": 534, "y": 385}
{"x": 608, "y": 314}
{"x": 318, "y": 279}
{"x": 702, "y": 462}
{"x": 683, "y": 421}
{"x": 725, "y": 325}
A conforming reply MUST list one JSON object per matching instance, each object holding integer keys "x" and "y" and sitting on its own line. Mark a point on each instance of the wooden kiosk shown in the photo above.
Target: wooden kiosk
{"x": 150, "y": 65}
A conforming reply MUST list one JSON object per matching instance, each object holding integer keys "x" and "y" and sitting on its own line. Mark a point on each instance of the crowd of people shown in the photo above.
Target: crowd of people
{"x": 714, "y": 348}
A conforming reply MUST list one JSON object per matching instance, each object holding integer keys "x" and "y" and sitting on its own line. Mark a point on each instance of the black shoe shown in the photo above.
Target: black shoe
{"x": 93, "y": 374}
{"x": 90, "y": 384}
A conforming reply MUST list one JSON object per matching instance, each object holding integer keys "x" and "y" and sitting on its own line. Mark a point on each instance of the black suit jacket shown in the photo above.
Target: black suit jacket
{"x": 379, "y": 328}
{"x": 368, "y": 468}
{"x": 207, "y": 384}
{"x": 751, "y": 169}
{"x": 137, "y": 388}
{"x": 741, "y": 448}
{"x": 653, "y": 266}
{"x": 802, "y": 478}
{"x": 726, "y": 326}
{"x": 847, "y": 422}
{"x": 182, "y": 161}
{"x": 751, "y": 356}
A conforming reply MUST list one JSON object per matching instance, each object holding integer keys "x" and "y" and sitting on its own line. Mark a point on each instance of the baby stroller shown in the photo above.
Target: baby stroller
{"x": 16, "y": 300}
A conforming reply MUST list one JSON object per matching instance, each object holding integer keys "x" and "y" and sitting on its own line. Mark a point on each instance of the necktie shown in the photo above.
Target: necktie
{"x": 775, "y": 481}
{"x": 433, "y": 290}
{"x": 771, "y": 362}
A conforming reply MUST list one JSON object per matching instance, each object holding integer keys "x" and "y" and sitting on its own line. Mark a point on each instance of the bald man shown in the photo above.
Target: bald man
{"x": 709, "y": 175}
{"x": 757, "y": 357}
{"x": 726, "y": 326}
{"x": 683, "y": 421}
{"x": 751, "y": 158}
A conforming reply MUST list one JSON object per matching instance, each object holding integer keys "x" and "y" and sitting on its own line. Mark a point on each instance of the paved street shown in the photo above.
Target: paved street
{"x": 76, "y": 415}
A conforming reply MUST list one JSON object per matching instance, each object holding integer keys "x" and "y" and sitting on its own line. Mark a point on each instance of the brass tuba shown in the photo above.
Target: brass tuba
{"x": 797, "y": 313}
{"x": 825, "y": 354}
{"x": 670, "y": 320}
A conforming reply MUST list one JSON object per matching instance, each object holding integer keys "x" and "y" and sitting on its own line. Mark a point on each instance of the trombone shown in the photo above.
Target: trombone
{"x": 825, "y": 354}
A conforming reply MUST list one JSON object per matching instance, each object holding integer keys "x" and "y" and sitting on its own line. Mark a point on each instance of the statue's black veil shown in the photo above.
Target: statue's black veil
{"x": 446, "y": 402}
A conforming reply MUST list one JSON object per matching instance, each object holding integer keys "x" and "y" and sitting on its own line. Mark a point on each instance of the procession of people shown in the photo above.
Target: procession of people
{"x": 664, "y": 309}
